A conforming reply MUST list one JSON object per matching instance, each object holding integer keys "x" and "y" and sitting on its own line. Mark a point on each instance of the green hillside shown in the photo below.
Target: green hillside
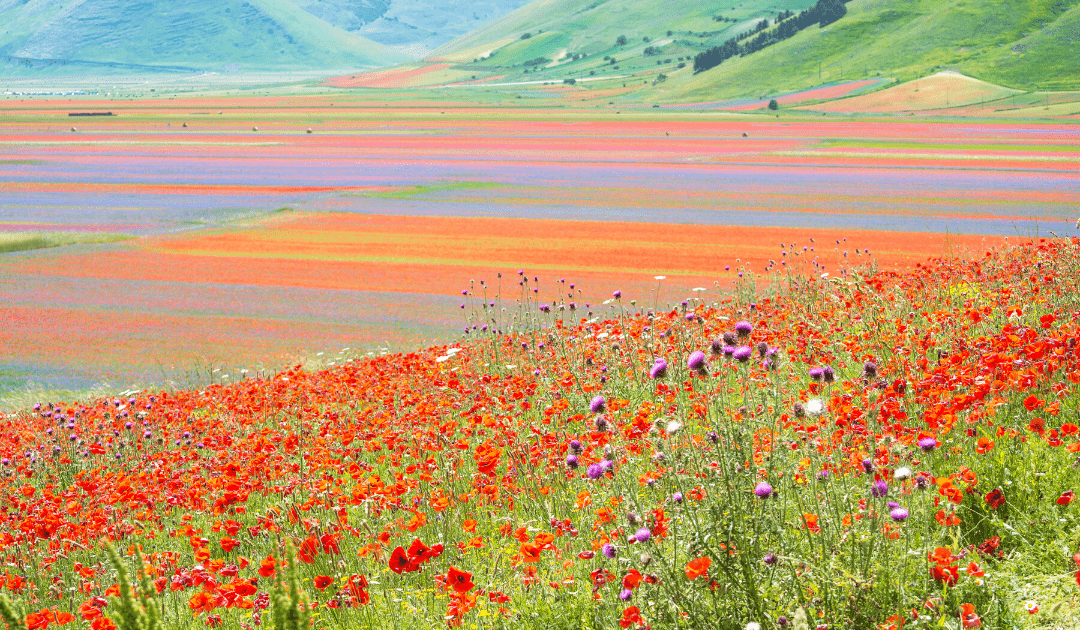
{"x": 1022, "y": 44}
{"x": 208, "y": 35}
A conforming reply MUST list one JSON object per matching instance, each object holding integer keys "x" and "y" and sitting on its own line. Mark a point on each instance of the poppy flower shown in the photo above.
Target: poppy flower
{"x": 947, "y": 575}
{"x": 530, "y": 552}
{"x": 996, "y": 498}
{"x": 322, "y": 581}
{"x": 631, "y": 616}
{"x": 267, "y": 567}
{"x": 1066, "y": 498}
{"x": 460, "y": 581}
{"x": 968, "y": 618}
{"x": 400, "y": 562}
{"x": 697, "y": 567}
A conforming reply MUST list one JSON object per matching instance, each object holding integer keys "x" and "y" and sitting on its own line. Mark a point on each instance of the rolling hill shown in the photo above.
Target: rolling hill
{"x": 41, "y": 36}
{"x": 1019, "y": 44}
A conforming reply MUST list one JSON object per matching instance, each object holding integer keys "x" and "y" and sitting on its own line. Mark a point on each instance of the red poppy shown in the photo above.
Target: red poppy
{"x": 267, "y": 567}
{"x": 968, "y": 618}
{"x": 996, "y": 498}
{"x": 1066, "y": 498}
{"x": 401, "y": 562}
{"x": 945, "y": 575}
{"x": 322, "y": 581}
{"x": 460, "y": 581}
{"x": 631, "y": 616}
{"x": 698, "y": 567}
{"x": 530, "y": 552}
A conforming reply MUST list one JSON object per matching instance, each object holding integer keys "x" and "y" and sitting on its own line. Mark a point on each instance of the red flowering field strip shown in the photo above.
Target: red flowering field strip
{"x": 563, "y": 246}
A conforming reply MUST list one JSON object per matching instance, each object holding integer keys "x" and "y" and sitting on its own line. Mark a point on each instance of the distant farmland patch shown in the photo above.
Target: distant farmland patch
{"x": 22, "y": 241}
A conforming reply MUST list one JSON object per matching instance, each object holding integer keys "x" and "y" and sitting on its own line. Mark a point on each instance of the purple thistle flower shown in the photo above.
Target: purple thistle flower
{"x": 617, "y": 294}
{"x": 598, "y": 404}
{"x": 742, "y": 354}
{"x": 744, "y": 328}
{"x": 879, "y": 488}
{"x": 717, "y": 347}
{"x": 763, "y": 490}
{"x": 696, "y": 361}
{"x": 770, "y": 559}
{"x": 816, "y": 374}
{"x": 659, "y": 369}
{"x": 927, "y": 444}
{"x": 728, "y": 351}
{"x": 625, "y": 594}
{"x": 867, "y": 466}
{"x": 594, "y": 471}
{"x": 730, "y": 339}
{"x": 870, "y": 369}
{"x": 607, "y": 465}
{"x": 898, "y": 514}
{"x": 642, "y": 534}
{"x": 572, "y": 462}
{"x": 828, "y": 374}
{"x": 677, "y": 497}
{"x": 575, "y": 447}
{"x": 608, "y": 550}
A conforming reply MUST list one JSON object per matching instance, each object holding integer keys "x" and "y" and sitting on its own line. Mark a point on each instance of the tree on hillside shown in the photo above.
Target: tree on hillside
{"x": 620, "y": 40}
{"x": 830, "y": 11}
{"x": 773, "y": 105}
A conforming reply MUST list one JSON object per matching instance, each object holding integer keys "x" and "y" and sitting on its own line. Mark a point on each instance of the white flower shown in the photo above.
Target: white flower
{"x": 673, "y": 427}
{"x": 659, "y": 277}
{"x": 814, "y": 407}
{"x": 902, "y": 473}
{"x": 753, "y": 625}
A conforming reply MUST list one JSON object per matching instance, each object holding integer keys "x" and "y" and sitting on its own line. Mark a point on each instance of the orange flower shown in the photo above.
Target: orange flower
{"x": 949, "y": 519}
{"x": 941, "y": 556}
{"x": 530, "y": 552}
{"x": 811, "y": 521}
{"x": 698, "y": 567}
{"x": 469, "y": 525}
{"x": 267, "y": 567}
{"x": 201, "y": 602}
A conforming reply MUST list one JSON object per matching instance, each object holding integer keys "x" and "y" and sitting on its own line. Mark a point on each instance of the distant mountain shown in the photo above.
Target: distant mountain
{"x": 198, "y": 35}
{"x": 413, "y": 27}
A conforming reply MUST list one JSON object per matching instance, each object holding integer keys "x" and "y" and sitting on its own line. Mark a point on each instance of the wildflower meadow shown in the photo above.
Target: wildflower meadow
{"x": 859, "y": 449}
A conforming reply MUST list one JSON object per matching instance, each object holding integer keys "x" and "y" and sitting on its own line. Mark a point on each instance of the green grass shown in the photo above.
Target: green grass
{"x": 23, "y": 241}
{"x": 412, "y": 191}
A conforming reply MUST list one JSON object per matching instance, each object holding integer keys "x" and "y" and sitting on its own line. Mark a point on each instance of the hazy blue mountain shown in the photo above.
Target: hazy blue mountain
{"x": 412, "y": 27}
{"x": 208, "y": 35}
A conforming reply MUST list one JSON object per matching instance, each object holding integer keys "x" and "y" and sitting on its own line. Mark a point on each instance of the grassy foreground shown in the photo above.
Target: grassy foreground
{"x": 868, "y": 450}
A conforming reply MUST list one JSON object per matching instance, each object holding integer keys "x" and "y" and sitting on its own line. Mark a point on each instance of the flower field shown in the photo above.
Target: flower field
{"x": 860, "y": 449}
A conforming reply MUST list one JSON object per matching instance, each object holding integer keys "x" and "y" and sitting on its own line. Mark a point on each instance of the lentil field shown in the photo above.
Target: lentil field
{"x": 258, "y": 245}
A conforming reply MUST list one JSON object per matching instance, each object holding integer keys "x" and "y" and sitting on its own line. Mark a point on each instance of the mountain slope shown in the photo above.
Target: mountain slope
{"x": 1020, "y": 44}
{"x": 210, "y": 35}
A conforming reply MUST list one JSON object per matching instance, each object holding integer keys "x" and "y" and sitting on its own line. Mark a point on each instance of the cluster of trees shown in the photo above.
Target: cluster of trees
{"x": 823, "y": 13}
